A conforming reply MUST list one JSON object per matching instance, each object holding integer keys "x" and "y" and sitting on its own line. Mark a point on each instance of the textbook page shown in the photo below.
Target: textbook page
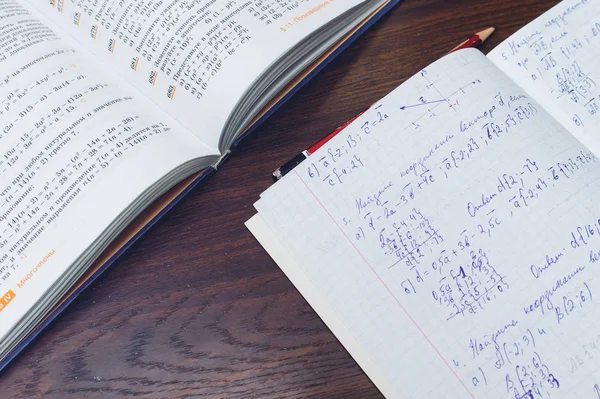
{"x": 555, "y": 59}
{"x": 76, "y": 150}
{"x": 454, "y": 228}
{"x": 194, "y": 59}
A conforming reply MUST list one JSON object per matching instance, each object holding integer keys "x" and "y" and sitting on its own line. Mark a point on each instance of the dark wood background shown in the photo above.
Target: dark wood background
{"x": 196, "y": 308}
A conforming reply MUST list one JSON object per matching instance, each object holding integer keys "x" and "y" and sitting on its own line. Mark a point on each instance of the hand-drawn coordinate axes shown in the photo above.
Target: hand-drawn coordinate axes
{"x": 440, "y": 100}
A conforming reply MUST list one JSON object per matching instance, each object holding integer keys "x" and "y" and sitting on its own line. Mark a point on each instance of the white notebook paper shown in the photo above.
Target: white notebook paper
{"x": 450, "y": 236}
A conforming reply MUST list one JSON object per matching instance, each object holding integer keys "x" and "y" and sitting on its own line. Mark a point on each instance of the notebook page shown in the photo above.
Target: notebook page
{"x": 260, "y": 229}
{"x": 555, "y": 59}
{"x": 454, "y": 229}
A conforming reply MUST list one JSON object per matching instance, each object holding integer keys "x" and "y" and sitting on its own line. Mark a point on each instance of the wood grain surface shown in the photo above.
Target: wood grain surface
{"x": 196, "y": 308}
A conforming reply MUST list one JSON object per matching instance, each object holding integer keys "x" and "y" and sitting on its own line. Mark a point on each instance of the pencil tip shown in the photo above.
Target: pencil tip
{"x": 484, "y": 34}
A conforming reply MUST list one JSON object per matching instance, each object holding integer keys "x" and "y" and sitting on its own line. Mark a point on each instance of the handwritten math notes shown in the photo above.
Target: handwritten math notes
{"x": 454, "y": 228}
{"x": 555, "y": 60}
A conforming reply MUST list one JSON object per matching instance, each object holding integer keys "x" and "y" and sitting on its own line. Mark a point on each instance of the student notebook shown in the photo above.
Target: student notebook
{"x": 73, "y": 134}
{"x": 450, "y": 235}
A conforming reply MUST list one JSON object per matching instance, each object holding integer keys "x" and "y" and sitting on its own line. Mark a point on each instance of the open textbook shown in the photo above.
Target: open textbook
{"x": 450, "y": 236}
{"x": 105, "y": 105}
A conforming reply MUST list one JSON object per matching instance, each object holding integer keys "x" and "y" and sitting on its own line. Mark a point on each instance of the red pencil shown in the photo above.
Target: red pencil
{"x": 292, "y": 163}
{"x": 476, "y": 40}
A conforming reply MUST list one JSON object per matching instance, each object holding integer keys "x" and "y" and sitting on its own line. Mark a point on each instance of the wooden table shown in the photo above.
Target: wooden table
{"x": 197, "y": 308}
